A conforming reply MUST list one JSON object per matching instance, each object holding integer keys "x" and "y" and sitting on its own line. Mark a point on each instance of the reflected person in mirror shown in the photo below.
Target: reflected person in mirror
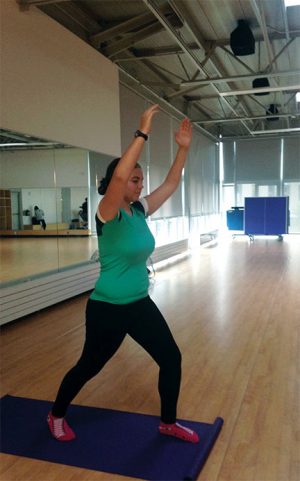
{"x": 84, "y": 210}
{"x": 39, "y": 215}
{"x": 120, "y": 303}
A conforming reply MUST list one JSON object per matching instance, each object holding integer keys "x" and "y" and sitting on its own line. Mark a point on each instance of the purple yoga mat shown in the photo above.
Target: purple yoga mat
{"x": 106, "y": 440}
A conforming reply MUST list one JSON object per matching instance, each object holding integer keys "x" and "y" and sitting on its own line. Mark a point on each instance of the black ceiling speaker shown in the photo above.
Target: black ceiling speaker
{"x": 271, "y": 111}
{"x": 260, "y": 82}
{"x": 242, "y": 41}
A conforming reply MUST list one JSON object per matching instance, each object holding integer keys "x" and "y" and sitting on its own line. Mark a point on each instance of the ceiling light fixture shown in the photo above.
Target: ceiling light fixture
{"x": 28, "y": 144}
{"x": 262, "y": 89}
{"x": 275, "y": 131}
{"x": 13, "y": 144}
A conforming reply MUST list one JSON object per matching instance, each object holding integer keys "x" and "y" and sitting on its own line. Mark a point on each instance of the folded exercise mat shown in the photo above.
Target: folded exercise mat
{"x": 106, "y": 440}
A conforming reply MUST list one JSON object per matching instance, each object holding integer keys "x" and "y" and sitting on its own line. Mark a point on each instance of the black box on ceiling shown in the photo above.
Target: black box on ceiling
{"x": 242, "y": 41}
{"x": 260, "y": 82}
{"x": 271, "y": 111}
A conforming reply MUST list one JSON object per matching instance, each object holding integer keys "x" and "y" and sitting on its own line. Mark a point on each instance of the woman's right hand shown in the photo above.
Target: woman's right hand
{"x": 146, "y": 118}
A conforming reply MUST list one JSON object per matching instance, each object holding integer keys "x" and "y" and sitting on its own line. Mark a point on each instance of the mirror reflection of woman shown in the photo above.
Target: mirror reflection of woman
{"x": 120, "y": 304}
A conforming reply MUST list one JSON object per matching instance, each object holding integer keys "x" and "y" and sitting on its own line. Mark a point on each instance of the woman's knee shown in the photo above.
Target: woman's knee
{"x": 172, "y": 359}
{"x": 88, "y": 366}
{"x": 177, "y": 358}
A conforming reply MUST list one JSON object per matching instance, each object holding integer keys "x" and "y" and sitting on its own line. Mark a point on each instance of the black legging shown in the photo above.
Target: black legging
{"x": 43, "y": 224}
{"x": 106, "y": 327}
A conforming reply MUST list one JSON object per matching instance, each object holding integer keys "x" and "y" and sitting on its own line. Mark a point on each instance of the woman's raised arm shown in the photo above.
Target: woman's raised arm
{"x": 183, "y": 138}
{"x": 111, "y": 202}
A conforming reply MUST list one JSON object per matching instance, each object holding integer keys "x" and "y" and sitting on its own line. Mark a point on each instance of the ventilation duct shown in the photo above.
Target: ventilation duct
{"x": 242, "y": 41}
{"x": 260, "y": 82}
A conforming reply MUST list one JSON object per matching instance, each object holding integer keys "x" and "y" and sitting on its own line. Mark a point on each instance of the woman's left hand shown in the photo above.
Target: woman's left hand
{"x": 183, "y": 136}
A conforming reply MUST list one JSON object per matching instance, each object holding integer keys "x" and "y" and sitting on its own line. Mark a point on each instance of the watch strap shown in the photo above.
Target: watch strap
{"x": 139, "y": 133}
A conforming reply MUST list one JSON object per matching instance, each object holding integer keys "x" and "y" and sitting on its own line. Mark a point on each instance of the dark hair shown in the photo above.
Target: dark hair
{"x": 104, "y": 182}
{"x": 109, "y": 173}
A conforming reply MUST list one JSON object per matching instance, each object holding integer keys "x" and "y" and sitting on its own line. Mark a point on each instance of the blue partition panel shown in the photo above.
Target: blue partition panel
{"x": 266, "y": 215}
{"x": 277, "y": 215}
{"x": 254, "y": 215}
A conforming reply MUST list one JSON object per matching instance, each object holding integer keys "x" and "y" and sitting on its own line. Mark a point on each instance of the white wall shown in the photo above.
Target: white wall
{"x": 71, "y": 168}
{"x": 27, "y": 168}
{"x": 54, "y": 85}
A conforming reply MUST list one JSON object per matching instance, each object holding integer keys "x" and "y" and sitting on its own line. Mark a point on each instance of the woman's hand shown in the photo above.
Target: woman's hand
{"x": 146, "y": 118}
{"x": 183, "y": 136}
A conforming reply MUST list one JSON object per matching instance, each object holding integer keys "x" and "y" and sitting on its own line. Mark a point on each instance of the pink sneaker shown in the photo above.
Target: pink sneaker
{"x": 179, "y": 431}
{"x": 59, "y": 428}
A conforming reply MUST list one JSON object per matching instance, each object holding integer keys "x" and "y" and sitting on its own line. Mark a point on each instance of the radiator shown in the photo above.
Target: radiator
{"x": 169, "y": 250}
{"x": 30, "y": 296}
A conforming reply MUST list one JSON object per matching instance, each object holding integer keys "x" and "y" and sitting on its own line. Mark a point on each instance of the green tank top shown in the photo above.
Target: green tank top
{"x": 125, "y": 243}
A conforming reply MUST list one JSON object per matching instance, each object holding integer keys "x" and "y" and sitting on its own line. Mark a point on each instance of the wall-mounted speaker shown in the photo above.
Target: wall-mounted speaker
{"x": 271, "y": 111}
{"x": 260, "y": 82}
{"x": 242, "y": 41}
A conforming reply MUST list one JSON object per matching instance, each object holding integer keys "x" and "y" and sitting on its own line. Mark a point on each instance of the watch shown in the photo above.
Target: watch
{"x": 139, "y": 133}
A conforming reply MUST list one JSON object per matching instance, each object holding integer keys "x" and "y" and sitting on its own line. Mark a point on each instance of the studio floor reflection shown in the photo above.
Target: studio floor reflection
{"x": 28, "y": 257}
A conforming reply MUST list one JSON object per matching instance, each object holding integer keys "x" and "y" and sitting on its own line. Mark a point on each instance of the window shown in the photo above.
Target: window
{"x": 291, "y": 3}
{"x": 228, "y": 197}
{"x": 242, "y": 191}
{"x": 267, "y": 190}
{"x": 292, "y": 190}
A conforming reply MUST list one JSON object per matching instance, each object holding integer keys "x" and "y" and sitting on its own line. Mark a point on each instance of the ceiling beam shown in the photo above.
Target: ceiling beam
{"x": 260, "y": 90}
{"x": 175, "y": 50}
{"x": 190, "y": 89}
{"x": 153, "y": 8}
{"x": 284, "y": 73}
{"x": 237, "y": 59}
{"x": 128, "y": 25}
{"x": 262, "y": 23}
{"x": 78, "y": 15}
{"x": 285, "y": 20}
{"x": 260, "y": 16}
{"x": 184, "y": 91}
{"x": 269, "y": 68}
{"x": 234, "y": 119}
{"x": 145, "y": 32}
{"x": 135, "y": 85}
{"x": 193, "y": 28}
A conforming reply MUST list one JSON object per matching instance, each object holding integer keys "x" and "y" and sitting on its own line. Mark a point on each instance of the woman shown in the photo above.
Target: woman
{"x": 120, "y": 303}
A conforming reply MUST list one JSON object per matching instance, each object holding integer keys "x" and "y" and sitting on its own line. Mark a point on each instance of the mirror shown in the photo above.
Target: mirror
{"x": 48, "y": 200}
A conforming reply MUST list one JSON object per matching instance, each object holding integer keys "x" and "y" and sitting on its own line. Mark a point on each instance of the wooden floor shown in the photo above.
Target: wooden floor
{"x": 234, "y": 309}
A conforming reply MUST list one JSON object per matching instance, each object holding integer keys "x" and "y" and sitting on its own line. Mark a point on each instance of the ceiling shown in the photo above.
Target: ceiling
{"x": 177, "y": 53}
